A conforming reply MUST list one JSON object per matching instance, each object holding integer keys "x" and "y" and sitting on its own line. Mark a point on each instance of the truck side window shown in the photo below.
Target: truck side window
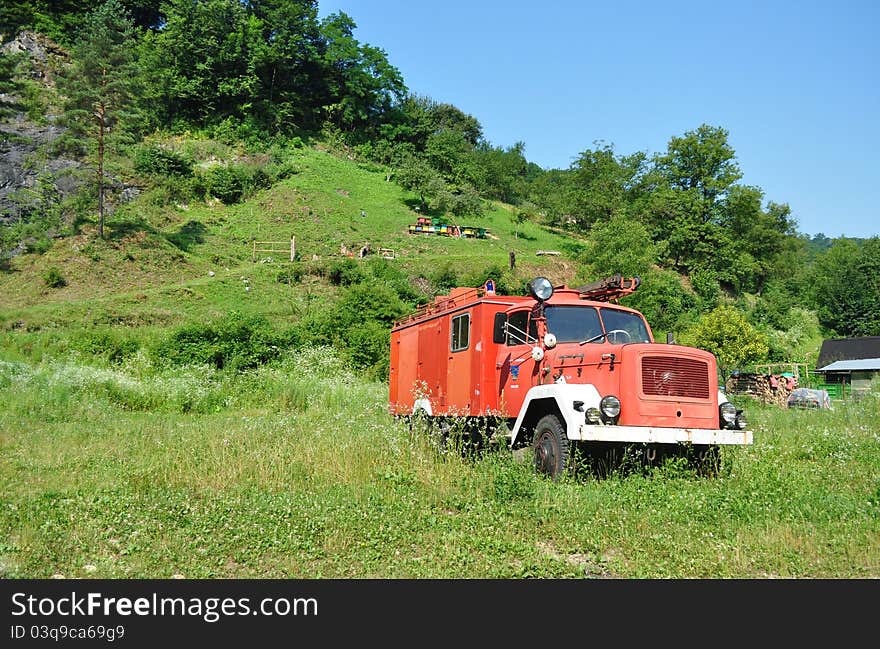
{"x": 499, "y": 330}
{"x": 517, "y": 332}
{"x": 461, "y": 325}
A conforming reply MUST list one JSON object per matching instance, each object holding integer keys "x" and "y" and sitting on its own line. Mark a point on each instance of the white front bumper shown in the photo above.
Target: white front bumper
{"x": 652, "y": 435}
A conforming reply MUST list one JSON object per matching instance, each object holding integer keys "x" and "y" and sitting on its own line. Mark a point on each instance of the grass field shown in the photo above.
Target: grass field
{"x": 116, "y": 464}
{"x": 296, "y": 470}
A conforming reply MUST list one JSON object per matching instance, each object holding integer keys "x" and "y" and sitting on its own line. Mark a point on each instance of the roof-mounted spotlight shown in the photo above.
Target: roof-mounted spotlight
{"x": 541, "y": 289}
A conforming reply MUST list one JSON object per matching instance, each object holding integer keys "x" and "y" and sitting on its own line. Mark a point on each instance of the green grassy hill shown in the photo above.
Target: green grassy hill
{"x": 154, "y": 265}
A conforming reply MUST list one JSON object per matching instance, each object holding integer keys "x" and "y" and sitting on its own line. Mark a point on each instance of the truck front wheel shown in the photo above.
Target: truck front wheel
{"x": 550, "y": 444}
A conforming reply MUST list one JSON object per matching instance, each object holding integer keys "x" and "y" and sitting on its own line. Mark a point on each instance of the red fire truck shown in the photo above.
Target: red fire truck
{"x": 558, "y": 368}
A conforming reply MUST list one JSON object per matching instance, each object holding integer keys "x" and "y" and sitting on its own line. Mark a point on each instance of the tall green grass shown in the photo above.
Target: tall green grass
{"x": 296, "y": 470}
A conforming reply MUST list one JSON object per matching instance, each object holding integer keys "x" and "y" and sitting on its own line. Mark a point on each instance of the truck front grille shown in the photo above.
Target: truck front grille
{"x": 669, "y": 376}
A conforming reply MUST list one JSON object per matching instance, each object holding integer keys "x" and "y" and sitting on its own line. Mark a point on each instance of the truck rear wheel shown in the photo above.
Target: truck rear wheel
{"x": 419, "y": 422}
{"x": 550, "y": 444}
{"x": 435, "y": 429}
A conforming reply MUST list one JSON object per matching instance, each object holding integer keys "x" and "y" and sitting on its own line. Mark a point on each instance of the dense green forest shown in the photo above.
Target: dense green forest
{"x": 126, "y": 80}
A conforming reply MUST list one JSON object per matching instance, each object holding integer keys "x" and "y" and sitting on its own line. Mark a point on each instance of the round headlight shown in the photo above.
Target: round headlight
{"x": 541, "y": 289}
{"x": 593, "y": 416}
{"x": 610, "y": 406}
{"x": 728, "y": 413}
{"x": 741, "y": 422}
{"x": 537, "y": 354}
{"x": 549, "y": 340}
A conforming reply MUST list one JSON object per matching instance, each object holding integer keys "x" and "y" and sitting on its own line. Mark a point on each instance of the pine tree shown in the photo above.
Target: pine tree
{"x": 99, "y": 86}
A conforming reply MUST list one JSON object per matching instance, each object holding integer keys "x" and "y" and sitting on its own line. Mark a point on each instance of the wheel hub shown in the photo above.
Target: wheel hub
{"x": 544, "y": 454}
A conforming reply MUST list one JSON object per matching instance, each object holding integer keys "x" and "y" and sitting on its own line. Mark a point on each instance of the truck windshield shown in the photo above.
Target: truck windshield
{"x": 582, "y": 324}
{"x": 624, "y": 327}
{"x": 573, "y": 323}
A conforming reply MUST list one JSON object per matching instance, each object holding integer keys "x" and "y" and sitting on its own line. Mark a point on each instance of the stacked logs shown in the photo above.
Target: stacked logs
{"x": 767, "y": 388}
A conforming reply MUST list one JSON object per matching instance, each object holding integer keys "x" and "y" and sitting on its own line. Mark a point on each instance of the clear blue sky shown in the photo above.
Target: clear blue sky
{"x": 796, "y": 84}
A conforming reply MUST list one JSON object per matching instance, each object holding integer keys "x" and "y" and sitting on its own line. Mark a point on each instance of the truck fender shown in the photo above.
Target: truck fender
{"x": 570, "y": 399}
{"x": 424, "y": 405}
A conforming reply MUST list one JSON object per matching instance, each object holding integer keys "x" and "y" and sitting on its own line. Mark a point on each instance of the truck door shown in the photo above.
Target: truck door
{"x": 432, "y": 357}
{"x": 514, "y": 364}
{"x": 461, "y": 353}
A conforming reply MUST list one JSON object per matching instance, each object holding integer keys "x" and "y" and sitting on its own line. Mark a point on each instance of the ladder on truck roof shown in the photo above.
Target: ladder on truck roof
{"x": 609, "y": 289}
{"x": 456, "y": 297}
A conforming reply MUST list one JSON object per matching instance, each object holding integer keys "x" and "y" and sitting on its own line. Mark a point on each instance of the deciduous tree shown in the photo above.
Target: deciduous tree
{"x": 619, "y": 245}
{"x": 847, "y": 287}
{"x": 362, "y": 85}
{"x": 689, "y": 184}
{"x": 604, "y": 184}
{"x": 726, "y": 333}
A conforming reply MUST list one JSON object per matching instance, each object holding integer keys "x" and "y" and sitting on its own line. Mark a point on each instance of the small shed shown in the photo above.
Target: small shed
{"x": 850, "y": 361}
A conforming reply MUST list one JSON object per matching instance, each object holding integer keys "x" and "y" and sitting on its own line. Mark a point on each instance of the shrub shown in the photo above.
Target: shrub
{"x": 707, "y": 288}
{"x": 236, "y": 342}
{"x": 290, "y": 275}
{"x": 345, "y": 273}
{"x": 445, "y": 278}
{"x": 233, "y": 130}
{"x": 226, "y": 183}
{"x": 363, "y": 302}
{"x": 280, "y": 168}
{"x": 503, "y": 283}
{"x": 39, "y": 245}
{"x": 396, "y": 279}
{"x": 667, "y": 305}
{"x": 367, "y": 348}
{"x": 358, "y": 325}
{"x": 53, "y": 278}
{"x": 174, "y": 189}
{"x": 111, "y": 345}
{"x": 232, "y": 183}
{"x": 158, "y": 161}
{"x": 725, "y": 332}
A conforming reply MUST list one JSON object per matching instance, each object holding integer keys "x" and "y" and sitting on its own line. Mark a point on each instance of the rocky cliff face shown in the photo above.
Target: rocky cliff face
{"x": 29, "y": 177}
{"x": 20, "y": 173}
{"x": 35, "y": 179}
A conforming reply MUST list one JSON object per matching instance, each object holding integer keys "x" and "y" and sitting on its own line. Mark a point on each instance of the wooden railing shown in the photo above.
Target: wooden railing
{"x": 274, "y": 246}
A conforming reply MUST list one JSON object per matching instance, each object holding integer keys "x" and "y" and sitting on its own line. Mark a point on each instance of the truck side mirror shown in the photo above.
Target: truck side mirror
{"x": 499, "y": 331}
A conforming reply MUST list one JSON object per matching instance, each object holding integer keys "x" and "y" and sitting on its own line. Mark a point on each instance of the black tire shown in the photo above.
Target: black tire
{"x": 441, "y": 436}
{"x": 550, "y": 445}
{"x": 435, "y": 430}
{"x": 419, "y": 422}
